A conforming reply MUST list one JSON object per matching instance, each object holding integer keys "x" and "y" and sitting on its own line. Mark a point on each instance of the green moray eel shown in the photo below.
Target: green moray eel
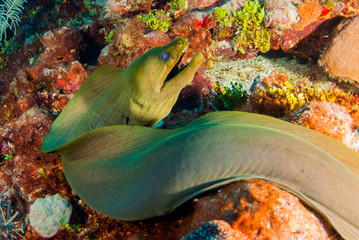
{"x": 132, "y": 172}
{"x": 143, "y": 94}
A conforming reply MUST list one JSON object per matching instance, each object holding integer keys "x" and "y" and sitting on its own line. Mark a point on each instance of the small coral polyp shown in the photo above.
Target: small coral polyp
{"x": 157, "y": 20}
{"x": 251, "y": 34}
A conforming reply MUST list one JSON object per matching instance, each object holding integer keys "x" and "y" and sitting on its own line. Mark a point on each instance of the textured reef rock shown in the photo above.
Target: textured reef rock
{"x": 198, "y": 4}
{"x": 332, "y": 120}
{"x": 253, "y": 209}
{"x": 129, "y": 42}
{"x": 60, "y": 46}
{"x": 198, "y": 36}
{"x": 47, "y": 214}
{"x": 59, "y": 60}
{"x": 280, "y": 15}
{"x": 215, "y": 230}
{"x": 341, "y": 57}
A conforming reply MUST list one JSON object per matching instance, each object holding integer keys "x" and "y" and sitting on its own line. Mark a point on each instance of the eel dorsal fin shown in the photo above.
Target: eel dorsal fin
{"x": 91, "y": 107}
{"x": 338, "y": 150}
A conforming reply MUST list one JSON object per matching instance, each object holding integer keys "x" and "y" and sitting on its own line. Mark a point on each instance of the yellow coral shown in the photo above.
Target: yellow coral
{"x": 284, "y": 97}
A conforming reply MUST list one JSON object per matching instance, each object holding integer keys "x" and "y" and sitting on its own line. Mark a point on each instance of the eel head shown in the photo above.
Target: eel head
{"x": 157, "y": 81}
{"x": 158, "y": 72}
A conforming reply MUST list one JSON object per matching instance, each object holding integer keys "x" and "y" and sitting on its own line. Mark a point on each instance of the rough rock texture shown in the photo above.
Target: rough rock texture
{"x": 215, "y": 230}
{"x": 60, "y": 47}
{"x": 341, "y": 57}
{"x": 129, "y": 42}
{"x": 193, "y": 4}
{"x": 257, "y": 210}
{"x": 280, "y": 15}
{"x": 46, "y": 214}
{"x": 332, "y": 120}
{"x": 194, "y": 28}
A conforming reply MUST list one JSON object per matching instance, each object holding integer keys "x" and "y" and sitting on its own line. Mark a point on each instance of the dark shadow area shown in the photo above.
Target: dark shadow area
{"x": 89, "y": 50}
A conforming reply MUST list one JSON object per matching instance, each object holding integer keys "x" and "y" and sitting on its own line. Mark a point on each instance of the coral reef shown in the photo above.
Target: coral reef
{"x": 46, "y": 214}
{"x": 258, "y": 210}
{"x": 215, "y": 230}
{"x": 251, "y": 34}
{"x": 308, "y": 12}
{"x": 57, "y": 45}
{"x": 340, "y": 57}
{"x": 227, "y": 98}
{"x": 157, "y": 20}
{"x": 280, "y": 15}
{"x": 129, "y": 42}
{"x": 332, "y": 111}
{"x": 12, "y": 224}
{"x": 331, "y": 119}
{"x": 10, "y": 12}
{"x": 114, "y": 8}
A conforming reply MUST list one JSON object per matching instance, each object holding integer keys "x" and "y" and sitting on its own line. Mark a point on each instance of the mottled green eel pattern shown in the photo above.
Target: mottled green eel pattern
{"x": 133, "y": 172}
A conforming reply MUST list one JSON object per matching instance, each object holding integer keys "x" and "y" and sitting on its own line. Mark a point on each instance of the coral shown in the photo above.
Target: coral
{"x": 244, "y": 28}
{"x": 251, "y": 33}
{"x": 199, "y": 37}
{"x": 215, "y": 230}
{"x": 61, "y": 48}
{"x": 47, "y": 214}
{"x": 12, "y": 224}
{"x": 331, "y": 119}
{"x": 178, "y": 4}
{"x": 280, "y": 15}
{"x": 308, "y": 12}
{"x": 257, "y": 210}
{"x": 37, "y": 82}
{"x": 227, "y": 98}
{"x": 288, "y": 38}
{"x": 340, "y": 57}
{"x": 157, "y": 20}
{"x": 129, "y": 42}
{"x": 21, "y": 172}
{"x": 109, "y": 36}
{"x": 223, "y": 17}
{"x": 70, "y": 79}
{"x": 349, "y": 8}
{"x": 200, "y": 4}
{"x": 9, "y": 16}
{"x": 116, "y": 8}
{"x": 278, "y": 97}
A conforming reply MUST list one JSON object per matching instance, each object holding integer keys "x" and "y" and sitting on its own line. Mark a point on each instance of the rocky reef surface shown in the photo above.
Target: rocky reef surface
{"x": 293, "y": 59}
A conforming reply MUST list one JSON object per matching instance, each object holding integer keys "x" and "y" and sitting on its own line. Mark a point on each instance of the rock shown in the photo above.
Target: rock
{"x": 330, "y": 119}
{"x": 215, "y": 230}
{"x": 196, "y": 4}
{"x": 340, "y": 59}
{"x": 257, "y": 210}
{"x": 280, "y": 15}
{"x": 47, "y": 214}
{"x": 129, "y": 42}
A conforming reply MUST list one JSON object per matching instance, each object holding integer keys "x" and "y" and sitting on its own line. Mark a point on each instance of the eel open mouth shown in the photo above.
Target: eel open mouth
{"x": 176, "y": 69}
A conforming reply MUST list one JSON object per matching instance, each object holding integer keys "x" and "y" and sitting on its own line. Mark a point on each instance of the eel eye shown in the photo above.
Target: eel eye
{"x": 164, "y": 56}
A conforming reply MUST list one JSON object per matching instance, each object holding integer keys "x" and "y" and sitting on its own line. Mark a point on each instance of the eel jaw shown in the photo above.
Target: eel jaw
{"x": 176, "y": 69}
{"x": 178, "y": 78}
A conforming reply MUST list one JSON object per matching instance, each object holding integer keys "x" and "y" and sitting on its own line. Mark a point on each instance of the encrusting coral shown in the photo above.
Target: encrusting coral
{"x": 308, "y": 12}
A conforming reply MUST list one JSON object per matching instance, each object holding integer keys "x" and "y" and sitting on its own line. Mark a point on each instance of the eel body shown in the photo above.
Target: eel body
{"x": 135, "y": 172}
{"x": 132, "y": 172}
